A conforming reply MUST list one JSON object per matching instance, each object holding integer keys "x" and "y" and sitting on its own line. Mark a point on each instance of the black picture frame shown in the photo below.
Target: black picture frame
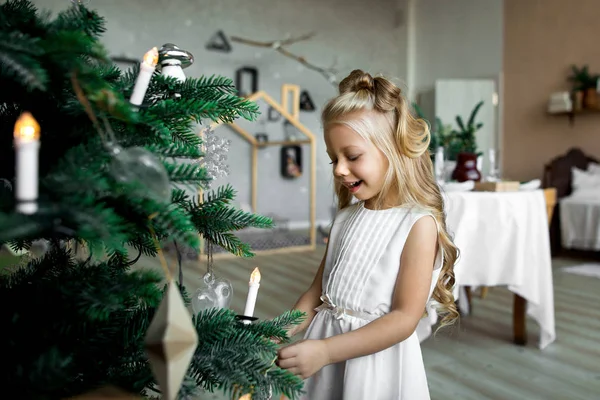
{"x": 291, "y": 161}
{"x": 241, "y": 76}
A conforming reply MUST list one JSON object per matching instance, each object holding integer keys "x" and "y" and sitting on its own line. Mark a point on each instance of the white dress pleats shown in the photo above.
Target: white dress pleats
{"x": 360, "y": 274}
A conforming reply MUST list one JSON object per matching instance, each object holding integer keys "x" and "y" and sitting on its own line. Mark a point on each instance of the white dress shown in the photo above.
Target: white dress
{"x": 360, "y": 273}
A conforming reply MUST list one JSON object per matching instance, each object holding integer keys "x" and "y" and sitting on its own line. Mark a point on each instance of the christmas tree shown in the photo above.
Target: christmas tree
{"x": 115, "y": 180}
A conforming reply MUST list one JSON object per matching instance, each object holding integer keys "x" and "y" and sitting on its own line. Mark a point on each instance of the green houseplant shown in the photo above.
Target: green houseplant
{"x": 584, "y": 87}
{"x": 464, "y": 145}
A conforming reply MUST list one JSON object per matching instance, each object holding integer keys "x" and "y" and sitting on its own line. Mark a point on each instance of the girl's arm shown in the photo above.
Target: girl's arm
{"x": 310, "y": 300}
{"x": 410, "y": 297}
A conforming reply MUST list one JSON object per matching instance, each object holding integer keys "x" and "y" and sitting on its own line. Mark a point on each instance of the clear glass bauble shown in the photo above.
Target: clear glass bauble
{"x": 212, "y": 293}
{"x": 136, "y": 164}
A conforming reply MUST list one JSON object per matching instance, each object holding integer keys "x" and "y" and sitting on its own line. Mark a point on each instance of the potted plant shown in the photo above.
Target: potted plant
{"x": 465, "y": 144}
{"x": 584, "y": 87}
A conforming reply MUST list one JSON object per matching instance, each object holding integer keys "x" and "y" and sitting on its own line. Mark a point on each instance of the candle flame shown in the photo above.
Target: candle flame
{"x": 151, "y": 57}
{"x": 27, "y": 128}
{"x": 255, "y": 276}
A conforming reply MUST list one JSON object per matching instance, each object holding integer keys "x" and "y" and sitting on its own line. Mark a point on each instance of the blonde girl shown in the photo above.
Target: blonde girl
{"x": 388, "y": 254}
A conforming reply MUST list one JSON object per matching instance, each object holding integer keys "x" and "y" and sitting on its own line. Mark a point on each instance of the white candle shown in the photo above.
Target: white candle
{"x": 147, "y": 67}
{"x": 253, "y": 286}
{"x": 27, "y": 146}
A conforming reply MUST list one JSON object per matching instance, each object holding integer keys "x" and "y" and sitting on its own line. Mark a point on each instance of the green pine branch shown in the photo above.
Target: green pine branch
{"x": 176, "y": 150}
{"x": 215, "y": 200}
{"x": 17, "y": 60}
{"x": 229, "y": 242}
{"x": 237, "y": 358}
{"x": 190, "y": 174}
{"x": 276, "y": 328}
{"x": 81, "y": 19}
{"x": 215, "y": 220}
{"x": 219, "y": 92}
{"x": 226, "y": 219}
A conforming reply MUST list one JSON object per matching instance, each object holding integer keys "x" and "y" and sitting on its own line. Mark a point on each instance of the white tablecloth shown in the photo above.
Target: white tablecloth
{"x": 503, "y": 240}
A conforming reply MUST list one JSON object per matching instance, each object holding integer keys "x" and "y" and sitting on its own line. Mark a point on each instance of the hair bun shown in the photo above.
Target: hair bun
{"x": 356, "y": 81}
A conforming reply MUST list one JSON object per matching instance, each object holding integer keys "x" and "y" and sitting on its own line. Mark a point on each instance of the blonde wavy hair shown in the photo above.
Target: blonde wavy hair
{"x": 380, "y": 114}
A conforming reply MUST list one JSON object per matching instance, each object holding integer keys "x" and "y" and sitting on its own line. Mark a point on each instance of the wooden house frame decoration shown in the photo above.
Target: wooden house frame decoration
{"x": 291, "y": 112}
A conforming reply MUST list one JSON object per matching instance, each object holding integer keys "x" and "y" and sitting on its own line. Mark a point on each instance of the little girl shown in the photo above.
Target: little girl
{"x": 387, "y": 254}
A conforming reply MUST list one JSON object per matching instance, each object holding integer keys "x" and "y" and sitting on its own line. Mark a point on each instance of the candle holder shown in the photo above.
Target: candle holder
{"x": 244, "y": 319}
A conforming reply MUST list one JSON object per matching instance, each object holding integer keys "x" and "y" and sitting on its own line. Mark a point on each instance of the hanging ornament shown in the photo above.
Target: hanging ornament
{"x": 171, "y": 341}
{"x": 136, "y": 164}
{"x": 172, "y": 60}
{"x": 213, "y": 292}
{"x": 215, "y": 154}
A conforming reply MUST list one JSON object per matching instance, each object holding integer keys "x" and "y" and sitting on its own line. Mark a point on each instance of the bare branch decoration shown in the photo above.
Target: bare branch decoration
{"x": 277, "y": 45}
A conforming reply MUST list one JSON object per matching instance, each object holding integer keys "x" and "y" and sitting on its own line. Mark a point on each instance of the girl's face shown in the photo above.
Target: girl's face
{"x": 357, "y": 164}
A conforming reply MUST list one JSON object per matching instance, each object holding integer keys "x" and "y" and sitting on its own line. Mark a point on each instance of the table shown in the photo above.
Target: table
{"x": 503, "y": 238}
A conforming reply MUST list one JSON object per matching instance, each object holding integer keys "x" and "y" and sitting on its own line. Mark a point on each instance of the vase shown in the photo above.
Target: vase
{"x": 590, "y": 100}
{"x": 466, "y": 168}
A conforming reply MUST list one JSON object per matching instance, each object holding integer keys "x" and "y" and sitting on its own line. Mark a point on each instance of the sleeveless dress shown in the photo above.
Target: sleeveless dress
{"x": 360, "y": 274}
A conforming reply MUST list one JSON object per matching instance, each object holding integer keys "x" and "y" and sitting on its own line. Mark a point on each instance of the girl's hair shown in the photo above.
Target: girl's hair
{"x": 380, "y": 114}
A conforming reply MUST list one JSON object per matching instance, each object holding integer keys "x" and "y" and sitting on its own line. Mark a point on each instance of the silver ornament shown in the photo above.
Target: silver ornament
{"x": 172, "y": 60}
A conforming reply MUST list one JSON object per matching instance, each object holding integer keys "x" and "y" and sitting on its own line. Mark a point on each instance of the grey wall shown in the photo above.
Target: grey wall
{"x": 349, "y": 35}
{"x": 457, "y": 39}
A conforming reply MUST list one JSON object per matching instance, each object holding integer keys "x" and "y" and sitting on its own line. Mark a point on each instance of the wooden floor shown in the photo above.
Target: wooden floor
{"x": 475, "y": 359}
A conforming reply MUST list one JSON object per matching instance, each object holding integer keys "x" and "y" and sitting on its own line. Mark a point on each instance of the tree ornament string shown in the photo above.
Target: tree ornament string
{"x": 209, "y": 258}
{"x": 161, "y": 256}
{"x": 179, "y": 261}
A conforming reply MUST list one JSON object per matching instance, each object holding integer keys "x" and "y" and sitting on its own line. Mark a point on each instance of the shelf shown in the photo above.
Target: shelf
{"x": 571, "y": 114}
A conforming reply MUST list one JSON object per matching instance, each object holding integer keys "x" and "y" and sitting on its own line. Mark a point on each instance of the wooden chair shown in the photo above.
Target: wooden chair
{"x": 558, "y": 175}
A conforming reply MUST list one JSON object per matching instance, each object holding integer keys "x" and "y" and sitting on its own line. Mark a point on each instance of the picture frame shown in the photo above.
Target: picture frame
{"x": 291, "y": 161}
{"x": 246, "y": 81}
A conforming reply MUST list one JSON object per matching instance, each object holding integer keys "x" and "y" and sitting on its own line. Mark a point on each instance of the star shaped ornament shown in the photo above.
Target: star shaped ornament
{"x": 171, "y": 340}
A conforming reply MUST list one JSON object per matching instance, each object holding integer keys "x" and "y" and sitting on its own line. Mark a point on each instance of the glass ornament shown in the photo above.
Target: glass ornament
{"x": 136, "y": 164}
{"x": 212, "y": 293}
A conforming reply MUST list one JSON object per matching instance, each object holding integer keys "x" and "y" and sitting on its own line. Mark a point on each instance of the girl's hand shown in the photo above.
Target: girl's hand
{"x": 304, "y": 358}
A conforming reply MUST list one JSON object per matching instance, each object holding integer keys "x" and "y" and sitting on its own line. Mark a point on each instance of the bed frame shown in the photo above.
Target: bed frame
{"x": 557, "y": 174}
